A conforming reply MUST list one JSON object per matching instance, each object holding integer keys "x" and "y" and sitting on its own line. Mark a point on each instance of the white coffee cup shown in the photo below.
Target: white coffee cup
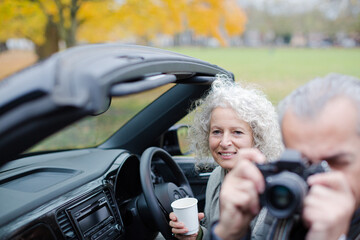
{"x": 186, "y": 211}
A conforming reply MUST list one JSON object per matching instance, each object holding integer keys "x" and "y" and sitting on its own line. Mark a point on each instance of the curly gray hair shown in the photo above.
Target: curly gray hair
{"x": 250, "y": 104}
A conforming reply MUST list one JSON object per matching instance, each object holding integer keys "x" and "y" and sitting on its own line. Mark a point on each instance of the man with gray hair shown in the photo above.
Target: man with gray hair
{"x": 321, "y": 120}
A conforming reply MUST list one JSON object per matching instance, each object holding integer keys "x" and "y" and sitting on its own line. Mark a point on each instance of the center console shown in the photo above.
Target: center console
{"x": 95, "y": 219}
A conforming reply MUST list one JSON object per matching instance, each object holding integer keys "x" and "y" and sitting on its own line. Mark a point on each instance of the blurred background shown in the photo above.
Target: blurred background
{"x": 277, "y": 44}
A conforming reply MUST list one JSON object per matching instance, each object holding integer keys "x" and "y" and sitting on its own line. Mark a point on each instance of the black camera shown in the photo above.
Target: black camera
{"x": 285, "y": 181}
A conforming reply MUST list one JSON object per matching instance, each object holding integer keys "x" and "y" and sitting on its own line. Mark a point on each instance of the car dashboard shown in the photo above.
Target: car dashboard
{"x": 83, "y": 194}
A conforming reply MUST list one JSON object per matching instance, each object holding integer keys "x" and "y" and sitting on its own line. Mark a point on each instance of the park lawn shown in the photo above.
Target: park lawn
{"x": 278, "y": 71}
{"x": 275, "y": 71}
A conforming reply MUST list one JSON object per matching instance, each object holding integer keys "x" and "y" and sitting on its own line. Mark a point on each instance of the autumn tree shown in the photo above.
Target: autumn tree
{"x": 219, "y": 19}
{"x": 45, "y": 22}
{"x": 21, "y": 19}
{"x": 48, "y": 22}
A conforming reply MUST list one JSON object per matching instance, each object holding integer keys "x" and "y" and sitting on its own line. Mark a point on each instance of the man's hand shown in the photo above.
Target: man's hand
{"x": 329, "y": 206}
{"x": 239, "y": 195}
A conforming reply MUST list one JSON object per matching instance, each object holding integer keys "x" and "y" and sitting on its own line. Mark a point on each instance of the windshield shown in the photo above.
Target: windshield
{"x": 94, "y": 130}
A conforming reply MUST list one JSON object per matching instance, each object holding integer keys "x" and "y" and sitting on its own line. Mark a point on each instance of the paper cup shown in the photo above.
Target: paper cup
{"x": 186, "y": 211}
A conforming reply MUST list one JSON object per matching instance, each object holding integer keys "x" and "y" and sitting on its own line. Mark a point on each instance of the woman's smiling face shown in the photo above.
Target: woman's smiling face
{"x": 228, "y": 134}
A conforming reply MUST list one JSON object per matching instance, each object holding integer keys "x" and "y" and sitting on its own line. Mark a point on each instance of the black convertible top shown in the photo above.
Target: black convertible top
{"x": 77, "y": 82}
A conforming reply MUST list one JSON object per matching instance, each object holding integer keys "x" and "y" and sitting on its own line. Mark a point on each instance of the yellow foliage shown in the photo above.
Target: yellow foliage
{"x": 25, "y": 18}
{"x": 235, "y": 19}
{"x": 209, "y": 18}
{"x": 97, "y": 19}
{"x": 216, "y": 18}
{"x": 112, "y": 20}
{"x": 21, "y": 19}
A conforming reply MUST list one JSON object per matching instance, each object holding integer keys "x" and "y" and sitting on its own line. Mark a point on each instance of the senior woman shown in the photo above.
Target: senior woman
{"x": 228, "y": 118}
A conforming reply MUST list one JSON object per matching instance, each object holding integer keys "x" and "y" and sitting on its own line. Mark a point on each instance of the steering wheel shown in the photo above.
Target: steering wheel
{"x": 160, "y": 196}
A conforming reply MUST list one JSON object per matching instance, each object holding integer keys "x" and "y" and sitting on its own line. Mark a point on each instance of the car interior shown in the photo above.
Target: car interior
{"x": 121, "y": 185}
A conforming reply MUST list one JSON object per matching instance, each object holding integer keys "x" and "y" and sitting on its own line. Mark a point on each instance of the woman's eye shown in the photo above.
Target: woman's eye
{"x": 216, "y": 132}
{"x": 238, "y": 132}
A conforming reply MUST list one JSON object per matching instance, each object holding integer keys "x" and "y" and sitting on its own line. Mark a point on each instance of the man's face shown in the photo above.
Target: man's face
{"x": 332, "y": 136}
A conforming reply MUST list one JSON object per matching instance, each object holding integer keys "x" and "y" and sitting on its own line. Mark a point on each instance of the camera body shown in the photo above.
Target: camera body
{"x": 285, "y": 183}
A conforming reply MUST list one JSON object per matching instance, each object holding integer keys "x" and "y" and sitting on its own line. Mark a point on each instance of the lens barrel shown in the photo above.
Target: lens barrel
{"x": 284, "y": 194}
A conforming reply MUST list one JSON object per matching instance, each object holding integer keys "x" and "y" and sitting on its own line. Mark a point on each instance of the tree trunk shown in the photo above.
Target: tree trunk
{"x": 51, "y": 44}
{"x": 71, "y": 31}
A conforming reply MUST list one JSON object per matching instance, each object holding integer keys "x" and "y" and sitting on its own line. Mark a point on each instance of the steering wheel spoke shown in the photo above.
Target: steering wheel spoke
{"x": 185, "y": 192}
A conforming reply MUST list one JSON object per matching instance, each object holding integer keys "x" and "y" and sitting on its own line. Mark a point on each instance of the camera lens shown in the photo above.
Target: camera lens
{"x": 284, "y": 194}
{"x": 280, "y": 197}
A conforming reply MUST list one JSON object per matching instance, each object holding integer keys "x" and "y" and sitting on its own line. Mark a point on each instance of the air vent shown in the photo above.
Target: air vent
{"x": 66, "y": 226}
{"x": 112, "y": 204}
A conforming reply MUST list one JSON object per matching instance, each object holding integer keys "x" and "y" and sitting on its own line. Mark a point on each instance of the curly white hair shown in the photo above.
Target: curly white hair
{"x": 250, "y": 104}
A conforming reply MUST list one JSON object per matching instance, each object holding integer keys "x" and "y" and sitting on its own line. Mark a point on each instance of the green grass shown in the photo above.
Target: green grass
{"x": 92, "y": 131}
{"x": 279, "y": 71}
{"x": 276, "y": 71}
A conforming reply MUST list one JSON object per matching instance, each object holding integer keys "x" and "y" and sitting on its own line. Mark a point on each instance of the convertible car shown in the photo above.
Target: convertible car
{"x": 78, "y": 160}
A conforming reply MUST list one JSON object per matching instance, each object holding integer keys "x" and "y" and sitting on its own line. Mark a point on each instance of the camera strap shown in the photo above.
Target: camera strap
{"x": 289, "y": 228}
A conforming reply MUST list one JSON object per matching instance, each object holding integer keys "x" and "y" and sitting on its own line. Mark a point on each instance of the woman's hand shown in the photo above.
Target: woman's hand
{"x": 179, "y": 229}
